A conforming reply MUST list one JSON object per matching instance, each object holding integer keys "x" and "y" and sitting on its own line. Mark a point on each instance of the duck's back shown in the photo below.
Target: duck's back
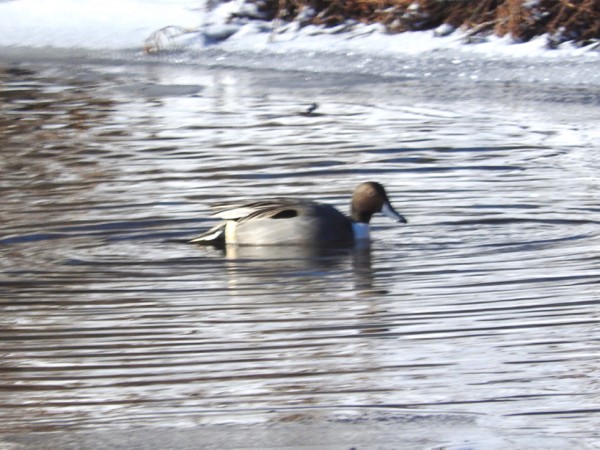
{"x": 299, "y": 223}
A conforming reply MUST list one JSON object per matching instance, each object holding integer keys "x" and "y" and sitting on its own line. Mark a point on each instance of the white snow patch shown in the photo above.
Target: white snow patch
{"x": 91, "y": 24}
{"x": 125, "y": 24}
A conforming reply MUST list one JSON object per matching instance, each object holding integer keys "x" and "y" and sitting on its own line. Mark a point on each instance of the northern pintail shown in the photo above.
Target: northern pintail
{"x": 284, "y": 221}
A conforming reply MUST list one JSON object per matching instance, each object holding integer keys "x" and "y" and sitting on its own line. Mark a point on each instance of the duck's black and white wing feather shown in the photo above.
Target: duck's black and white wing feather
{"x": 215, "y": 235}
{"x": 277, "y": 208}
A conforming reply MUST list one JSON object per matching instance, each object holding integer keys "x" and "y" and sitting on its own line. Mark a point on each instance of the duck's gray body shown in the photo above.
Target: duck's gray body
{"x": 291, "y": 221}
{"x": 279, "y": 221}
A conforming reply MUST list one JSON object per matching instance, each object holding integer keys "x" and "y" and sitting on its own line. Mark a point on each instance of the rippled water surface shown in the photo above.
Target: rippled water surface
{"x": 481, "y": 312}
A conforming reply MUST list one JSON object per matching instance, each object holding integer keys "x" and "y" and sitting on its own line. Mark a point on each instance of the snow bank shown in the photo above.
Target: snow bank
{"x": 91, "y": 24}
{"x": 233, "y": 25}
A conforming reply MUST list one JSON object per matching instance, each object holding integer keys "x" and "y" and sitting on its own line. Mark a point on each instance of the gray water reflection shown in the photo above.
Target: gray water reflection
{"x": 485, "y": 305}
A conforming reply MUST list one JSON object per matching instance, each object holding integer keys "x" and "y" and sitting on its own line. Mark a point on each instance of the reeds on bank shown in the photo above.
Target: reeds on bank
{"x": 560, "y": 20}
{"x": 576, "y": 21}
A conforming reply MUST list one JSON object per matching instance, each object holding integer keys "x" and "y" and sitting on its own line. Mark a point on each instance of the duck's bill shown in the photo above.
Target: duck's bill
{"x": 390, "y": 212}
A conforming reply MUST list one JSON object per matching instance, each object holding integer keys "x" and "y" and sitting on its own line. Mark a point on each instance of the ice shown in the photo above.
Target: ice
{"x": 236, "y": 26}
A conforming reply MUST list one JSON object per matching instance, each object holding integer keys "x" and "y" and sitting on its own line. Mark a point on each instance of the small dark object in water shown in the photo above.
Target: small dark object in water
{"x": 310, "y": 110}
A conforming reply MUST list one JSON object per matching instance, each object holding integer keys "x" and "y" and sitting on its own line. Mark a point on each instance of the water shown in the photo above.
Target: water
{"x": 478, "y": 320}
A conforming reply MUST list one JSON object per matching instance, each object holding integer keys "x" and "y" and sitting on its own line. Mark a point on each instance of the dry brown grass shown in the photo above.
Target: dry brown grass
{"x": 562, "y": 20}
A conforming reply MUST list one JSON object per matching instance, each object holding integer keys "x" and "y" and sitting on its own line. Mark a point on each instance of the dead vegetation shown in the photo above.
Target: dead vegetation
{"x": 576, "y": 21}
{"x": 560, "y": 20}
{"x": 164, "y": 37}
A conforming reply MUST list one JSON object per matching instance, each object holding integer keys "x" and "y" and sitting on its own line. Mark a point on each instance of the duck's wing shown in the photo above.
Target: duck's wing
{"x": 276, "y": 208}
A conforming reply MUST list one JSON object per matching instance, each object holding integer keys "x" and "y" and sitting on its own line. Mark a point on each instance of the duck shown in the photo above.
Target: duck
{"x": 309, "y": 111}
{"x": 293, "y": 221}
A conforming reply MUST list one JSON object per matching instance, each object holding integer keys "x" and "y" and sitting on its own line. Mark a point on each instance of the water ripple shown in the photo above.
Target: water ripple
{"x": 486, "y": 304}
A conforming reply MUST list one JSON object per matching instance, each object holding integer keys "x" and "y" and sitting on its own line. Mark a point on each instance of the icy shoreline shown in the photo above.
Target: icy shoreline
{"x": 118, "y": 31}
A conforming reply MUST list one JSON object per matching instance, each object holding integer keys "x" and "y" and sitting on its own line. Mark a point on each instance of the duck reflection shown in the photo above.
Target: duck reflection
{"x": 344, "y": 267}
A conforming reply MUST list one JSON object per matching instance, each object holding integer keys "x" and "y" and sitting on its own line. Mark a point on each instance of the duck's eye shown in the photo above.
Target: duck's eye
{"x": 285, "y": 214}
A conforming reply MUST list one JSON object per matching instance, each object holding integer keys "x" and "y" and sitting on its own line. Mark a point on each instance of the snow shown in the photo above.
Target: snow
{"x": 91, "y": 24}
{"x": 126, "y": 24}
